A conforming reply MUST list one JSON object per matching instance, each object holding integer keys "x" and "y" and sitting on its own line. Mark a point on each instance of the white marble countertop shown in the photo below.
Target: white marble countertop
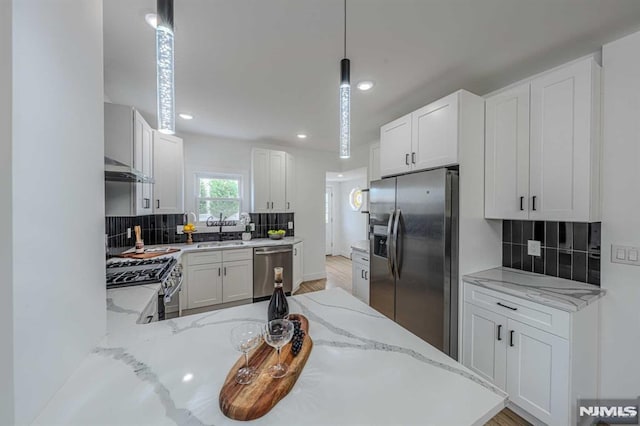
{"x": 362, "y": 245}
{"x": 363, "y": 369}
{"x": 558, "y": 293}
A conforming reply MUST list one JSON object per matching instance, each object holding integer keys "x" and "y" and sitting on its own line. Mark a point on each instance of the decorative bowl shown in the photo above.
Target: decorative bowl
{"x": 276, "y": 236}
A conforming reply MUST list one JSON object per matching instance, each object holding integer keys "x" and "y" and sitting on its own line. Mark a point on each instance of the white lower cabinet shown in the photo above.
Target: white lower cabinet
{"x": 218, "y": 277}
{"x": 360, "y": 275}
{"x": 298, "y": 273}
{"x": 544, "y": 358}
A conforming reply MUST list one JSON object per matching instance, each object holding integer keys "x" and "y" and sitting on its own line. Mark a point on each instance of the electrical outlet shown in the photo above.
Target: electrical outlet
{"x": 252, "y": 227}
{"x": 533, "y": 248}
{"x": 290, "y": 225}
{"x": 128, "y": 232}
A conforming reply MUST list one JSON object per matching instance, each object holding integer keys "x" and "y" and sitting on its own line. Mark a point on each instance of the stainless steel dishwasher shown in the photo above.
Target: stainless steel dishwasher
{"x": 264, "y": 260}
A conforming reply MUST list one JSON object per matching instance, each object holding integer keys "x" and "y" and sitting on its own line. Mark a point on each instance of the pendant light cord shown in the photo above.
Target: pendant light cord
{"x": 345, "y": 28}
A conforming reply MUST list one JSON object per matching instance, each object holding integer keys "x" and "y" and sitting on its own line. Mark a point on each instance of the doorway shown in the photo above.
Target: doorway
{"x": 328, "y": 220}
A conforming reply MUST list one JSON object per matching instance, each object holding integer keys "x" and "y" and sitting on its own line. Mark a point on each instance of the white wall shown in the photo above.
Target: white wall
{"x": 205, "y": 153}
{"x": 58, "y": 194}
{"x": 620, "y": 376}
{"x": 350, "y": 226}
{"x": 6, "y": 266}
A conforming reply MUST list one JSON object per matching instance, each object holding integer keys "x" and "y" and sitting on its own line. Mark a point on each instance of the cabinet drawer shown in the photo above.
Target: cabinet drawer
{"x": 360, "y": 257}
{"x": 241, "y": 254}
{"x": 204, "y": 258}
{"x": 534, "y": 314}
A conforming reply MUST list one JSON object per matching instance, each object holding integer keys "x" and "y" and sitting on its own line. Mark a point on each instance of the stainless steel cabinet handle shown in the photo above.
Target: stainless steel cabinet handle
{"x": 264, "y": 253}
{"x": 499, "y": 331}
{"x": 365, "y": 259}
{"x": 406, "y": 159}
{"x": 508, "y": 307}
{"x": 511, "y": 338}
{"x": 147, "y": 203}
{"x": 288, "y": 205}
{"x": 362, "y": 273}
{"x": 533, "y": 203}
{"x": 366, "y": 275}
{"x": 413, "y": 157}
{"x": 157, "y": 204}
{"x": 295, "y": 251}
{"x": 521, "y": 203}
{"x": 225, "y": 271}
{"x": 219, "y": 271}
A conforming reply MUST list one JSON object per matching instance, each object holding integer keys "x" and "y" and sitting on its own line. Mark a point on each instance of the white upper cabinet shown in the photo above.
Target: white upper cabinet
{"x": 430, "y": 137}
{"x": 507, "y": 154}
{"x": 290, "y": 190}
{"x": 143, "y": 161}
{"x": 168, "y": 165}
{"x": 435, "y": 134}
{"x": 543, "y": 143}
{"x": 395, "y": 146}
{"x": 565, "y": 144}
{"x": 272, "y": 188}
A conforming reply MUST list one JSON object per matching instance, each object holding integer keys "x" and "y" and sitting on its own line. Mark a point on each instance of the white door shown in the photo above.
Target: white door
{"x": 561, "y": 132}
{"x": 328, "y": 220}
{"x": 507, "y": 154}
{"x": 484, "y": 344}
{"x": 291, "y": 182}
{"x": 237, "y": 280}
{"x": 204, "y": 284}
{"x": 435, "y": 134}
{"x": 260, "y": 181}
{"x": 297, "y": 265}
{"x": 278, "y": 180}
{"x": 538, "y": 373}
{"x": 395, "y": 146}
{"x": 168, "y": 174}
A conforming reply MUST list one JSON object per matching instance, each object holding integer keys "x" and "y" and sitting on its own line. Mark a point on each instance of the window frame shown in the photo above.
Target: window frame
{"x": 217, "y": 175}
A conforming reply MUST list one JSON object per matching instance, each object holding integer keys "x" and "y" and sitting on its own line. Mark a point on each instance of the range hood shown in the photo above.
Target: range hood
{"x": 115, "y": 171}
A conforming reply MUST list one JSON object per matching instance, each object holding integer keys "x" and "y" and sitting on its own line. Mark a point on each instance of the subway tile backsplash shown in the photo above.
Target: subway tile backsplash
{"x": 568, "y": 249}
{"x": 161, "y": 229}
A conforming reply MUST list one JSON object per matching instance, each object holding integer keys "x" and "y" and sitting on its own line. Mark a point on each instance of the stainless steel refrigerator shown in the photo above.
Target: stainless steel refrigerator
{"x": 413, "y": 233}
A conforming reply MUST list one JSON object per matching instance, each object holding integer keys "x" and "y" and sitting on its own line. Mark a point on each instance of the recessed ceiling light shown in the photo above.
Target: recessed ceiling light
{"x": 301, "y": 135}
{"x": 340, "y": 175}
{"x": 187, "y": 377}
{"x": 185, "y": 116}
{"x": 365, "y": 85}
{"x": 152, "y": 19}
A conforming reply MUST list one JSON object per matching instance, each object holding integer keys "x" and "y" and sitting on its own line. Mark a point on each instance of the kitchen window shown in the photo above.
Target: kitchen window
{"x": 218, "y": 193}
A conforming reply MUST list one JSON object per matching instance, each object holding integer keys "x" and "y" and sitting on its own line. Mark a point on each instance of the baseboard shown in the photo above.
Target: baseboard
{"x": 313, "y": 277}
{"x": 524, "y": 414}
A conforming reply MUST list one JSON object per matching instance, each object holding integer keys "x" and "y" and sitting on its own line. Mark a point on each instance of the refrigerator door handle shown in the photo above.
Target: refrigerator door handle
{"x": 396, "y": 258}
{"x": 390, "y": 249}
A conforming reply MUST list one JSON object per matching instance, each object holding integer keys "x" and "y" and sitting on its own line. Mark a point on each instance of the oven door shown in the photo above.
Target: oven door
{"x": 171, "y": 299}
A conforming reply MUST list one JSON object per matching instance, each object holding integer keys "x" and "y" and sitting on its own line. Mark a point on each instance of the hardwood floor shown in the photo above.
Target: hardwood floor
{"x": 339, "y": 275}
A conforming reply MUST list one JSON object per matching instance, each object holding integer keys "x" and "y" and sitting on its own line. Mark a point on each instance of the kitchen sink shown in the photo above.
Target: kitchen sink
{"x": 220, "y": 244}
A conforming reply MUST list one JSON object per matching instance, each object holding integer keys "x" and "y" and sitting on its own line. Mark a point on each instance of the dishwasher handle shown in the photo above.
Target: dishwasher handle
{"x": 264, "y": 252}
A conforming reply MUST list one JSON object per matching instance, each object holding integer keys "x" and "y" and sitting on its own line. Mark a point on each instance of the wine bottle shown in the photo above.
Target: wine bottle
{"x": 278, "y": 306}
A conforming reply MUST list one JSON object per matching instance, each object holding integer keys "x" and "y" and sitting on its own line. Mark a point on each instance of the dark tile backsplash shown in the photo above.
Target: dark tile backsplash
{"x": 569, "y": 249}
{"x": 161, "y": 229}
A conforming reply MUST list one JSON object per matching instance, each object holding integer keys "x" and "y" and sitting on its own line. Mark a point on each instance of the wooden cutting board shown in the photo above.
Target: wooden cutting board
{"x": 147, "y": 255}
{"x": 249, "y": 402}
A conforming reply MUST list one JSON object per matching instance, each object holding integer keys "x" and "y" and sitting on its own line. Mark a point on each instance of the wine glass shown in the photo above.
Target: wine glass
{"x": 278, "y": 333}
{"x": 244, "y": 338}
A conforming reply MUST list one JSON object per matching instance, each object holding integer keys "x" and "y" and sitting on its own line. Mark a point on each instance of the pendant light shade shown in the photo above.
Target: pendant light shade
{"x": 165, "y": 70}
{"x": 345, "y": 97}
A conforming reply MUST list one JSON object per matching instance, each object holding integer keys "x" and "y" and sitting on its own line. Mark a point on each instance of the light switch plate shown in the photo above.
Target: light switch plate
{"x": 627, "y": 255}
{"x": 533, "y": 248}
{"x": 290, "y": 225}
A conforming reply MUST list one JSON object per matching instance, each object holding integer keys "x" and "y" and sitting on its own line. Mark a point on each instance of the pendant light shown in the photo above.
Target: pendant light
{"x": 165, "y": 74}
{"x": 345, "y": 97}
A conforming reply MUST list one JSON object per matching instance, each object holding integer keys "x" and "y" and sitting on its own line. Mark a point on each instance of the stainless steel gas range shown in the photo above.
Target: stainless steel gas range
{"x": 159, "y": 270}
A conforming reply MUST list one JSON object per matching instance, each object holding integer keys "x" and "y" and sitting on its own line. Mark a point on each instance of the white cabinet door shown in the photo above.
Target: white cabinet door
{"x": 260, "y": 181}
{"x": 360, "y": 278}
{"x": 237, "y": 280}
{"x": 484, "y": 344}
{"x": 395, "y": 146}
{"x": 374, "y": 163}
{"x": 278, "y": 180}
{"x": 538, "y": 373}
{"x": 290, "y": 188}
{"x": 562, "y": 143}
{"x": 435, "y": 134}
{"x": 168, "y": 167}
{"x": 297, "y": 266}
{"x": 507, "y": 154}
{"x": 204, "y": 283}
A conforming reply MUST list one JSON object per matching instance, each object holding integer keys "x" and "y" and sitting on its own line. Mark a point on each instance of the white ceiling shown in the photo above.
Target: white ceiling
{"x": 360, "y": 173}
{"x": 268, "y": 69}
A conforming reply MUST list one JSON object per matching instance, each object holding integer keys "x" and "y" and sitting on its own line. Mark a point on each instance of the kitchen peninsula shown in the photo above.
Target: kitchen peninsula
{"x": 364, "y": 369}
